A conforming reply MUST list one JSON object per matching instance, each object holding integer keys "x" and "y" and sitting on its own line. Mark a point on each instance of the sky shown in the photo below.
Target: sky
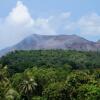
{"x": 21, "y": 18}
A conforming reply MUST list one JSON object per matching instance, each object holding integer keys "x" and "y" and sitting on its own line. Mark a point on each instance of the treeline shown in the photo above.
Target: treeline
{"x": 50, "y": 75}
{"x": 18, "y": 61}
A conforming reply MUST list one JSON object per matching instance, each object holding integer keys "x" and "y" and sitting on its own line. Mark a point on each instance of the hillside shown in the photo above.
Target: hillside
{"x": 47, "y": 42}
{"x": 50, "y": 75}
{"x": 18, "y": 61}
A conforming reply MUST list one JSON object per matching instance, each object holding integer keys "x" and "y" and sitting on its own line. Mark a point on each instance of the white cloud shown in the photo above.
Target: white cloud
{"x": 90, "y": 25}
{"x": 19, "y": 24}
{"x": 20, "y": 15}
{"x": 42, "y": 26}
{"x": 87, "y": 26}
{"x": 58, "y": 22}
{"x": 51, "y": 25}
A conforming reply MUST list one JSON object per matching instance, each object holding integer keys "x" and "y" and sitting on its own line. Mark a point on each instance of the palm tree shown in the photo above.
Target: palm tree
{"x": 27, "y": 87}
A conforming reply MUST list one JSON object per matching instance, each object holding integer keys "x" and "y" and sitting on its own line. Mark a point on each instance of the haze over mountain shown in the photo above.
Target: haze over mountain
{"x": 21, "y": 18}
{"x": 98, "y": 41}
{"x": 67, "y": 42}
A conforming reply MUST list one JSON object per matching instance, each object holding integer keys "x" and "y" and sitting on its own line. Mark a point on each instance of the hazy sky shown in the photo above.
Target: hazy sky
{"x": 20, "y": 18}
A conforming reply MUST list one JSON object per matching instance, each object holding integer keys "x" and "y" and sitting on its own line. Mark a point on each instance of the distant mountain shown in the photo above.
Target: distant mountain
{"x": 67, "y": 42}
{"x": 98, "y": 41}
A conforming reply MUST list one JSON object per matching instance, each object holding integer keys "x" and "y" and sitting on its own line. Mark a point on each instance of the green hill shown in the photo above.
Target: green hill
{"x": 50, "y": 75}
{"x": 18, "y": 61}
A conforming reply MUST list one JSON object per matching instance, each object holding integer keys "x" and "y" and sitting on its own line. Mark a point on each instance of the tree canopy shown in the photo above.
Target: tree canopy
{"x": 50, "y": 75}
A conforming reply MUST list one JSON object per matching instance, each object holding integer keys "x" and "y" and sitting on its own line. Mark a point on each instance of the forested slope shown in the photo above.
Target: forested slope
{"x": 18, "y": 61}
{"x": 50, "y": 75}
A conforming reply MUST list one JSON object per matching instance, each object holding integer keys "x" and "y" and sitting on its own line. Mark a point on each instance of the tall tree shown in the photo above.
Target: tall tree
{"x": 27, "y": 87}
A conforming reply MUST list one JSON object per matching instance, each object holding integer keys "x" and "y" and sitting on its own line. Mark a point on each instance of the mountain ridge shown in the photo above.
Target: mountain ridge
{"x": 67, "y": 42}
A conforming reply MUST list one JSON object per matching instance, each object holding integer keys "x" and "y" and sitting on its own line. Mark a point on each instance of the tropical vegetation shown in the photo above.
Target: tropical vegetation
{"x": 50, "y": 75}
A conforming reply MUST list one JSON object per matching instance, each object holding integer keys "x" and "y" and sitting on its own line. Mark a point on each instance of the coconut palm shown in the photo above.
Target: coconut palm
{"x": 27, "y": 87}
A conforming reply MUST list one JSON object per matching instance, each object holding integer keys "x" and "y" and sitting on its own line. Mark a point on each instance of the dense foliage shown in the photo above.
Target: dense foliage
{"x": 50, "y": 75}
{"x": 18, "y": 61}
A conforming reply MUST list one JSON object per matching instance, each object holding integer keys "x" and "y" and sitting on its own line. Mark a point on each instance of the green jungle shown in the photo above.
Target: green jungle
{"x": 50, "y": 75}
